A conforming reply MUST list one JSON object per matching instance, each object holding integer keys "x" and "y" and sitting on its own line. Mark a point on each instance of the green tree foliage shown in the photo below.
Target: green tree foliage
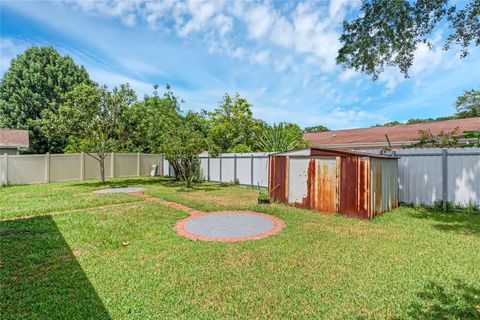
{"x": 468, "y": 104}
{"x": 387, "y": 32}
{"x": 315, "y": 129}
{"x": 185, "y": 142}
{"x": 37, "y": 80}
{"x": 148, "y": 120}
{"x": 443, "y": 140}
{"x": 475, "y": 136}
{"x": 281, "y": 137}
{"x": 92, "y": 118}
{"x": 232, "y": 127}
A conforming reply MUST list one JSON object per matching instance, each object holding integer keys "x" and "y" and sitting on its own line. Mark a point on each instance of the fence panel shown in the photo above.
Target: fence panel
{"x": 422, "y": 173}
{"x": 126, "y": 164}
{"x": 24, "y": 169}
{"x": 65, "y": 167}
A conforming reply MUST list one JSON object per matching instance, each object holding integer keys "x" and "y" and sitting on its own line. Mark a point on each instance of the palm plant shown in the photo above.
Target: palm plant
{"x": 281, "y": 137}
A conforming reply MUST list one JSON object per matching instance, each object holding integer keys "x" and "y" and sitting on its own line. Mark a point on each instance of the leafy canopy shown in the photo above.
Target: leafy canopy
{"x": 468, "y": 104}
{"x": 387, "y": 32}
{"x": 232, "y": 127}
{"x": 315, "y": 129}
{"x": 92, "y": 119}
{"x": 37, "y": 80}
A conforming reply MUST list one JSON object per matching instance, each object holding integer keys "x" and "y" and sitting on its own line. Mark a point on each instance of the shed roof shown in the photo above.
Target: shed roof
{"x": 329, "y": 152}
{"x": 14, "y": 138}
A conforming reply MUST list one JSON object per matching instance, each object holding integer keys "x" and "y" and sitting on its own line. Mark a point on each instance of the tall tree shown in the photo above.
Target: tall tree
{"x": 148, "y": 120}
{"x": 468, "y": 104}
{"x": 281, "y": 137}
{"x": 314, "y": 129}
{"x": 91, "y": 118}
{"x": 233, "y": 127}
{"x": 37, "y": 80}
{"x": 387, "y": 32}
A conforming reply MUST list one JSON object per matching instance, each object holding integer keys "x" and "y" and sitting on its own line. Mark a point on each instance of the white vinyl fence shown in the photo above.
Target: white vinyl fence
{"x": 247, "y": 168}
{"x": 425, "y": 175}
{"x": 430, "y": 175}
{"x": 36, "y": 168}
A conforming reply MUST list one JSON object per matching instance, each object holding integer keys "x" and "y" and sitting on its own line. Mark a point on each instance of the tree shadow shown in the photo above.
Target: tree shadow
{"x": 461, "y": 301}
{"x": 153, "y": 181}
{"x": 39, "y": 275}
{"x": 462, "y": 223}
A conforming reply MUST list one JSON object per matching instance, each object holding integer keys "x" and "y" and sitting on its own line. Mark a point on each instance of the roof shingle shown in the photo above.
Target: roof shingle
{"x": 14, "y": 138}
{"x": 401, "y": 133}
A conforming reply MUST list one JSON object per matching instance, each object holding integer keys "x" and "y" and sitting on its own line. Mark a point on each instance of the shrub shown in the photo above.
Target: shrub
{"x": 263, "y": 197}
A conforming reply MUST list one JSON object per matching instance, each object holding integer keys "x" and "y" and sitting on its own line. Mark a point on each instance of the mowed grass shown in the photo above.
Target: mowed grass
{"x": 127, "y": 262}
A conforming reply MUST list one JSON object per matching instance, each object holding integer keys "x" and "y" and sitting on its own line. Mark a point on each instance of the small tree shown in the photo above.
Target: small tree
{"x": 185, "y": 142}
{"x": 91, "y": 117}
{"x": 315, "y": 129}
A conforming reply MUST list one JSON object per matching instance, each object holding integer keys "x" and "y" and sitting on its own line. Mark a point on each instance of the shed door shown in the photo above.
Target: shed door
{"x": 326, "y": 189}
{"x": 354, "y": 187}
{"x": 297, "y": 181}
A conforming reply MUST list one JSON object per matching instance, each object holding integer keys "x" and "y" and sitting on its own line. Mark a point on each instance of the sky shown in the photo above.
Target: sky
{"x": 278, "y": 55}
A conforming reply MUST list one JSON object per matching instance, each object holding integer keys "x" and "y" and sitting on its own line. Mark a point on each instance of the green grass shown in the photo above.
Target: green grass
{"x": 128, "y": 262}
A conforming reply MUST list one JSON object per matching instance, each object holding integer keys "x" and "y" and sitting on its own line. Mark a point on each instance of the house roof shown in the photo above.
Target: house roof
{"x": 14, "y": 138}
{"x": 327, "y": 152}
{"x": 398, "y": 135}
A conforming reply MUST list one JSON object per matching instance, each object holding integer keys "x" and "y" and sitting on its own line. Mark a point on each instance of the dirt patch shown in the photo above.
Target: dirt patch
{"x": 227, "y": 200}
{"x": 239, "y": 260}
{"x": 344, "y": 230}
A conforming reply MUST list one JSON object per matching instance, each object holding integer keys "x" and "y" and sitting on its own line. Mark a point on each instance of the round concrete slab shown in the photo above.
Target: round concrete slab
{"x": 229, "y": 226}
{"x": 120, "y": 190}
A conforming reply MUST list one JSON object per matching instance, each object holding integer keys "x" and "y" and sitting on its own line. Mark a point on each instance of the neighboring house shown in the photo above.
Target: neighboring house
{"x": 12, "y": 141}
{"x": 399, "y": 135}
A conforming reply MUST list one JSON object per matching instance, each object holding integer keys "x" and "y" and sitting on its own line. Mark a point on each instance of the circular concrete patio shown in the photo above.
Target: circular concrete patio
{"x": 229, "y": 226}
{"x": 120, "y": 190}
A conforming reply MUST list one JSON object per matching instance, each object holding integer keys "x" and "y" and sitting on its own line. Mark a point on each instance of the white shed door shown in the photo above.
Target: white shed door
{"x": 297, "y": 179}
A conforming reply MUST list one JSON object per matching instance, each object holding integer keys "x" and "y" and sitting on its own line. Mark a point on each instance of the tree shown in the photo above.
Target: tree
{"x": 37, "y": 80}
{"x": 468, "y": 104}
{"x": 91, "y": 118}
{"x": 315, "y": 129}
{"x": 387, "y": 32}
{"x": 185, "y": 143}
{"x": 232, "y": 127}
{"x": 442, "y": 140}
{"x": 281, "y": 137}
{"x": 148, "y": 120}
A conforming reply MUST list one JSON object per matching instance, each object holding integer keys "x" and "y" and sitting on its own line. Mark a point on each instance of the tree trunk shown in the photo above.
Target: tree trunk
{"x": 102, "y": 168}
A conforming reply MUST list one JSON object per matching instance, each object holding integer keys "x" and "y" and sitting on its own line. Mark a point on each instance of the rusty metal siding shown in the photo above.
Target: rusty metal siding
{"x": 354, "y": 187}
{"x": 278, "y": 178}
{"x": 326, "y": 187}
{"x": 384, "y": 186}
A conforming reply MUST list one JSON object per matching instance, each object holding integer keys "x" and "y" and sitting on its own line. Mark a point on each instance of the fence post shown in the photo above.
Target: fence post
{"x": 208, "y": 167}
{"x": 5, "y": 169}
{"x": 235, "y": 168}
{"x": 138, "y": 163}
{"x": 82, "y": 166}
{"x": 112, "y": 165}
{"x": 220, "y": 159}
{"x": 251, "y": 170}
{"x": 444, "y": 179}
{"x": 47, "y": 167}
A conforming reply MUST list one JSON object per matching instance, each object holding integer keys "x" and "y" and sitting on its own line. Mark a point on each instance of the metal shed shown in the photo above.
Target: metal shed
{"x": 328, "y": 180}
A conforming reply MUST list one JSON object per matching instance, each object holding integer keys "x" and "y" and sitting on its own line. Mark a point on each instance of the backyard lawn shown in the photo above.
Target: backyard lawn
{"x": 116, "y": 256}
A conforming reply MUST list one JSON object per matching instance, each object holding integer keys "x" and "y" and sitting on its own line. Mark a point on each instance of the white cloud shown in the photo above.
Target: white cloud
{"x": 261, "y": 57}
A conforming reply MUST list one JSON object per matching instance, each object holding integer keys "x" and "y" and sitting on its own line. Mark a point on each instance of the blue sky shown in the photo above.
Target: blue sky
{"x": 279, "y": 55}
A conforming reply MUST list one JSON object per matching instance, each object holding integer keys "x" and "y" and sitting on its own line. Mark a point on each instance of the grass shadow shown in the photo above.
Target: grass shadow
{"x": 39, "y": 275}
{"x": 462, "y": 223}
{"x": 437, "y": 302}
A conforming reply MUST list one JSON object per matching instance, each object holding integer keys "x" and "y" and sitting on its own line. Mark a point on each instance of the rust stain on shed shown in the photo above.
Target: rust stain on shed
{"x": 353, "y": 184}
